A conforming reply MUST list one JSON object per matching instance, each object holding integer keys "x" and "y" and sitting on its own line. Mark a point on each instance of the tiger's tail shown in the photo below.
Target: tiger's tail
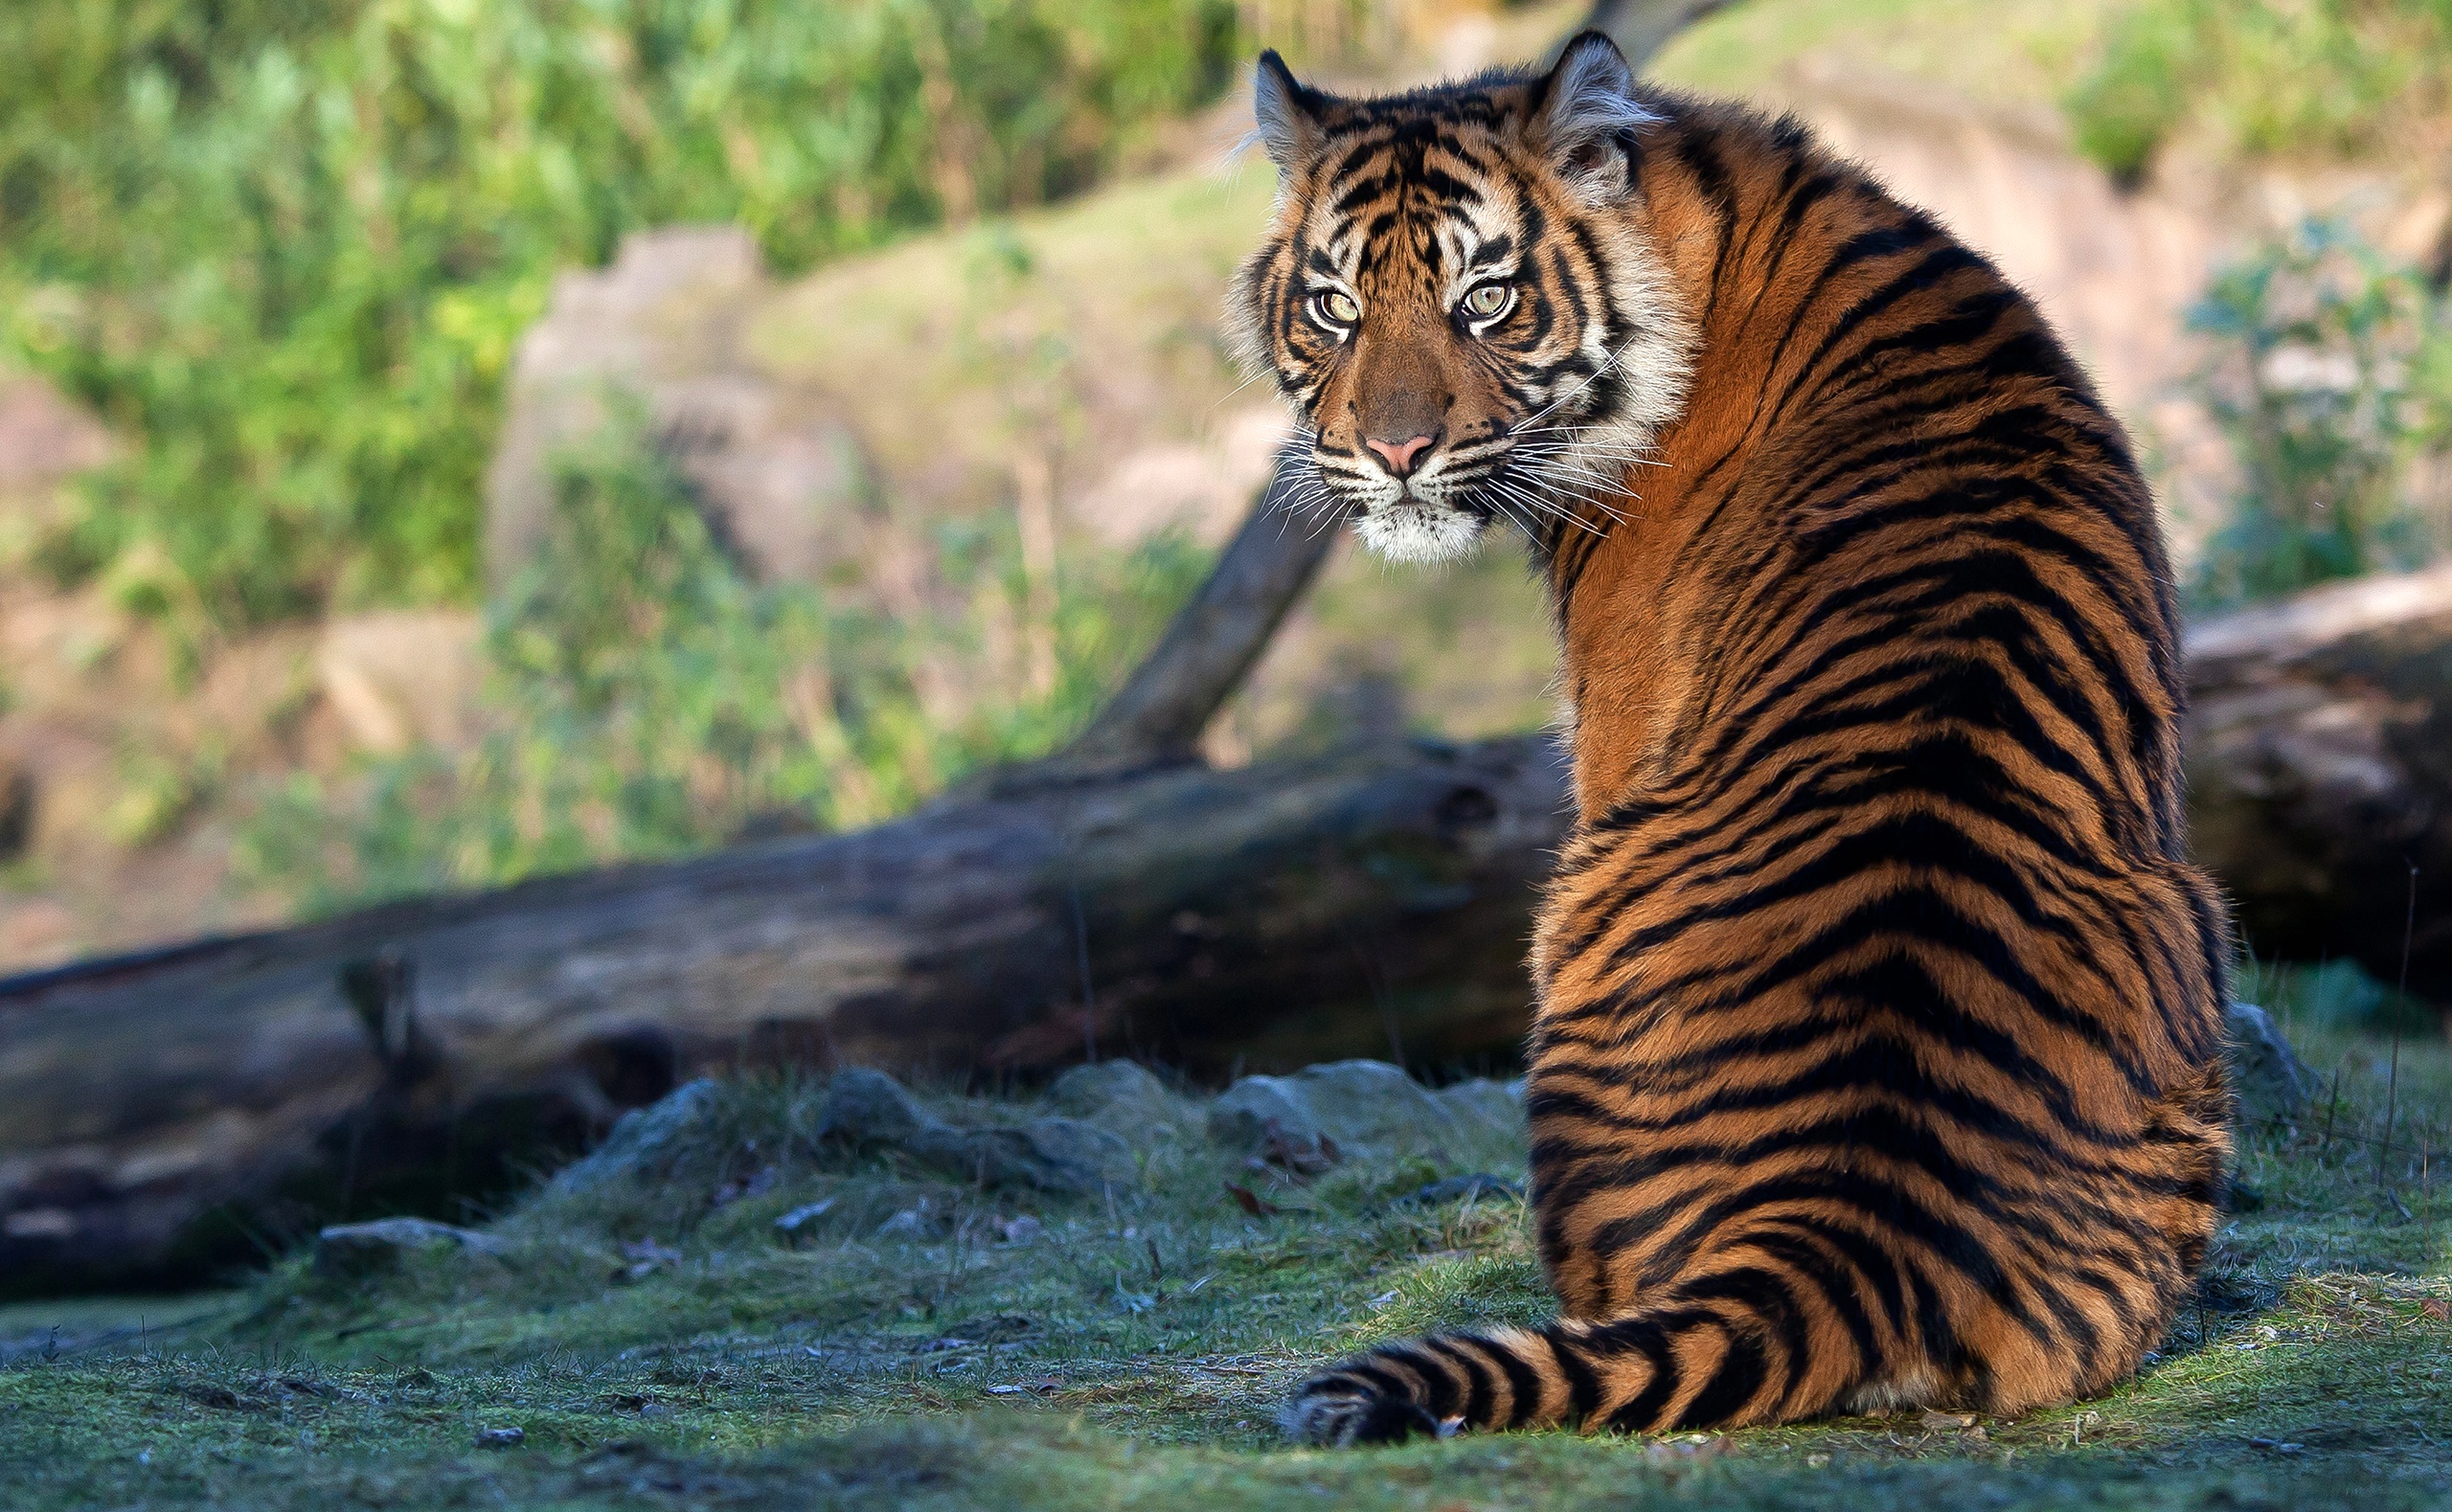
{"x": 1690, "y": 1366}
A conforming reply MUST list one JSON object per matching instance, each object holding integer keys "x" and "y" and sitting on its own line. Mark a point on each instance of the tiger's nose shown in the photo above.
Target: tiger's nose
{"x": 1399, "y": 457}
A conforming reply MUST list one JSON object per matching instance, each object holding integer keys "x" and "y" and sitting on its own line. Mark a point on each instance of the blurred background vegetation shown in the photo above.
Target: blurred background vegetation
{"x": 284, "y": 252}
{"x": 289, "y": 244}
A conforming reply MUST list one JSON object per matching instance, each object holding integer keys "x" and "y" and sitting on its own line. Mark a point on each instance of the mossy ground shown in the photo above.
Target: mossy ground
{"x": 917, "y": 1344}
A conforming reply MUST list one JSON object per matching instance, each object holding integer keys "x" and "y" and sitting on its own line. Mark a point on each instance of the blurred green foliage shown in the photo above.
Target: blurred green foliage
{"x": 645, "y": 699}
{"x": 2265, "y": 76}
{"x": 286, "y": 246}
{"x": 2330, "y": 373}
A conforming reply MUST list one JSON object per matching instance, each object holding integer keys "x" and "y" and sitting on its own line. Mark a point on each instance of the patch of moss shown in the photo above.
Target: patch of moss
{"x": 917, "y": 1342}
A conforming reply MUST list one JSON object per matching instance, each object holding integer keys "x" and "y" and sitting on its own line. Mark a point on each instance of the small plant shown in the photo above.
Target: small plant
{"x": 2263, "y": 76}
{"x": 2326, "y": 377}
{"x": 285, "y": 250}
{"x": 646, "y": 699}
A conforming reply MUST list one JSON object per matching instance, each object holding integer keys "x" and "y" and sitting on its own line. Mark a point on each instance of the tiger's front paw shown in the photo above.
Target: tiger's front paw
{"x": 1339, "y": 1409}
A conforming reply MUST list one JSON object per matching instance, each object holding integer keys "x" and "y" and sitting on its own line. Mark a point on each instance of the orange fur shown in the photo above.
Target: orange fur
{"x": 1874, "y": 1060}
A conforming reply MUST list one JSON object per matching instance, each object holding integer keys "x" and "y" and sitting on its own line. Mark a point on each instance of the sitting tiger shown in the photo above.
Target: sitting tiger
{"x": 1875, "y": 1063}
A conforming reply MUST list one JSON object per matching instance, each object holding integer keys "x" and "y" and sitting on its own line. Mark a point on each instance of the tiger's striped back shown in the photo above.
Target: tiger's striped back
{"x": 1876, "y": 1055}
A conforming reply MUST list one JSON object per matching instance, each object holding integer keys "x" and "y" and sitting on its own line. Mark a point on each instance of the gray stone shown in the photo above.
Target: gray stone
{"x": 1246, "y": 1113}
{"x": 1372, "y": 1105}
{"x": 1485, "y": 1104}
{"x": 638, "y": 1141}
{"x": 348, "y": 1251}
{"x": 782, "y": 474}
{"x": 1049, "y": 1154}
{"x": 399, "y": 677}
{"x": 44, "y": 440}
{"x": 1363, "y": 1106}
{"x": 870, "y": 1107}
{"x": 1119, "y": 1095}
{"x": 2273, "y": 1086}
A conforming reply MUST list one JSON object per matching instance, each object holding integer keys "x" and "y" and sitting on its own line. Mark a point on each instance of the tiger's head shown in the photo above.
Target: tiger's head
{"x": 1457, "y": 298}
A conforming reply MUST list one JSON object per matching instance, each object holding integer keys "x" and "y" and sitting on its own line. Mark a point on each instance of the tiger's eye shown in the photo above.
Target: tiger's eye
{"x": 1488, "y": 299}
{"x": 1336, "y": 307}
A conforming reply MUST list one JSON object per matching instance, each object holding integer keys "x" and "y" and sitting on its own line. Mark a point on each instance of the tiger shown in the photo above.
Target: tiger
{"x": 1874, "y": 1054}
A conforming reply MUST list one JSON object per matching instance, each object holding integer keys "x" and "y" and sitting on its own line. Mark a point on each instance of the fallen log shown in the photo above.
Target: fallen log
{"x": 156, "y": 1110}
{"x": 2319, "y": 773}
{"x": 161, "y": 1113}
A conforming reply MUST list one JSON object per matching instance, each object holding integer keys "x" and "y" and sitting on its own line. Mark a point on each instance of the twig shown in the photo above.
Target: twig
{"x": 2392, "y": 1085}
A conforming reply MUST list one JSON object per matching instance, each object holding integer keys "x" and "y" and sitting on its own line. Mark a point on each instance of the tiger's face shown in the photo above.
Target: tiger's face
{"x": 1457, "y": 298}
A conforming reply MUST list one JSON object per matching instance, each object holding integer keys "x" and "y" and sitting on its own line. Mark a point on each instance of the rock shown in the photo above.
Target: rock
{"x": 44, "y": 440}
{"x": 346, "y": 1252}
{"x": 2273, "y": 1086}
{"x": 1361, "y": 1105}
{"x": 501, "y": 1438}
{"x": 1204, "y": 485}
{"x": 1249, "y": 1113}
{"x": 1485, "y": 1104}
{"x": 1119, "y": 1095}
{"x": 777, "y": 467}
{"x": 1372, "y": 1105}
{"x": 864, "y": 1106}
{"x": 909, "y": 1221}
{"x": 1050, "y": 1155}
{"x": 401, "y": 677}
{"x": 35, "y": 932}
{"x": 641, "y": 1139}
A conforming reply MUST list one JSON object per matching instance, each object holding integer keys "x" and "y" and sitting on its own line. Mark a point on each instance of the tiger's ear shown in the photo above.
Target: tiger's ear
{"x": 1585, "y": 115}
{"x": 1289, "y": 113}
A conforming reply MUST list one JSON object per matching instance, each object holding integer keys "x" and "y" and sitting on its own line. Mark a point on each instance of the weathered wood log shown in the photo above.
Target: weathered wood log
{"x": 159, "y": 1111}
{"x": 2319, "y": 773}
{"x": 153, "y": 1110}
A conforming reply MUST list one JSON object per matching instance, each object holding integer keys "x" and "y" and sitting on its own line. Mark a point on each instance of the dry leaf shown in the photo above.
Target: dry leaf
{"x": 1943, "y": 1422}
{"x": 1298, "y": 1157}
{"x": 1251, "y": 1202}
{"x": 2436, "y": 1308}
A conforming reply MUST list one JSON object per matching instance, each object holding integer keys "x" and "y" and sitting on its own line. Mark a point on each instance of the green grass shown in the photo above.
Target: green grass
{"x": 645, "y": 699}
{"x": 1131, "y": 1352}
{"x": 2262, "y": 79}
{"x": 2000, "y": 52}
{"x": 285, "y": 248}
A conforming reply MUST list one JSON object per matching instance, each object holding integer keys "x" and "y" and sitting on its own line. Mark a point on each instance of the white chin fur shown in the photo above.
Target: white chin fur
{"x": 1412, "y": 532}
